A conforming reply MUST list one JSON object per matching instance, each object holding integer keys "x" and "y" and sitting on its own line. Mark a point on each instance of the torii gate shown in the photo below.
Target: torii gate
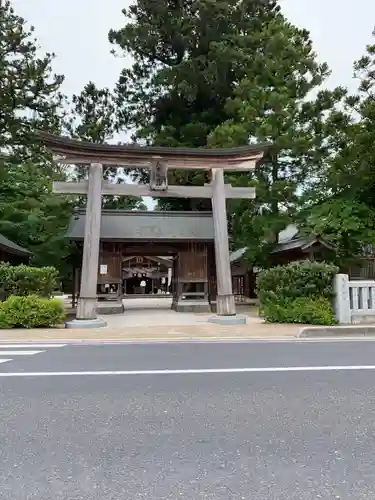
{"x": 158, "y": 160}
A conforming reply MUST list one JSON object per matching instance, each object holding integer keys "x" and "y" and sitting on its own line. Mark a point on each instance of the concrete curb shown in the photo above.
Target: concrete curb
{"x": 337, "y": 331}
{"x": 149, "y": 341}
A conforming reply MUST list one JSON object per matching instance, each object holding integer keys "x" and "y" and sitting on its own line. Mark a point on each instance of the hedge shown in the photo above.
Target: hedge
{"x": 31, "y": 312}
{"x": 300, "y": 292}
{"x": 24, "y": 280}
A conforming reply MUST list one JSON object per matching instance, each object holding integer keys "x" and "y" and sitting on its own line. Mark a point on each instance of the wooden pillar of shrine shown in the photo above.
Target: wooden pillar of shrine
{"x": 211, "y": 270}
{"x": 191, "y": 294}
{"x": 175, "y": 282}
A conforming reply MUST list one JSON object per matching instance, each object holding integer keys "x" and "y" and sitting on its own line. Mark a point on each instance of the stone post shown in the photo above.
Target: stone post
{"x": 342, "y": 299}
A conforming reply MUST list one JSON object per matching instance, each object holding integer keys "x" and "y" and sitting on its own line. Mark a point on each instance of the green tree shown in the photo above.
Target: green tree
{"x": 188, "y": 59}
{"x": 93, "y": 118}
{"x": 226, "y": 73}
{"x": 344, "y": 208}
{"x": 32, "y": 216}
{"x": 30, "y": 99}
{"x": 30, "y": 96}
{"x": 280, "y": 102}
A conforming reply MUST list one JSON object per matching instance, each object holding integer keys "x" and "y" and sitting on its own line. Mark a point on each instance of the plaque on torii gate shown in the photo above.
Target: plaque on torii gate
{"x": 158, "y": 160}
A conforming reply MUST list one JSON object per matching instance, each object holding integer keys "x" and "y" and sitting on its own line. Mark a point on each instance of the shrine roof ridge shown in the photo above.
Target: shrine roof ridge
{"x": 67, "y": 146}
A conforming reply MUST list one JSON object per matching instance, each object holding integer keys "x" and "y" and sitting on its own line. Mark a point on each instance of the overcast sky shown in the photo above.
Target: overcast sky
{"x": 77, "y": 31}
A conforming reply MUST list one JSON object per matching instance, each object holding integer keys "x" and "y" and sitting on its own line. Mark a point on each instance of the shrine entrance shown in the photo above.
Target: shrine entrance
{"x": 146, "y": 275}
{"x": 154, "y": 254}
{"x": 210, "y": 252}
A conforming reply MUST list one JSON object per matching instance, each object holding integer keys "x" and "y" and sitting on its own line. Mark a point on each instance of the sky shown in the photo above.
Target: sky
{"x": 77, "y": 31}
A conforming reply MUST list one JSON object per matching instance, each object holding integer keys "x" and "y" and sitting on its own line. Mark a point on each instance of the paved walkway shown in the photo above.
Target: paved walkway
{"x": 152, "y": 319}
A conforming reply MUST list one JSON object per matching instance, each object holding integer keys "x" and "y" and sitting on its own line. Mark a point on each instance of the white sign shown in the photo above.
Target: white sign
{"x": 103, "y": 269}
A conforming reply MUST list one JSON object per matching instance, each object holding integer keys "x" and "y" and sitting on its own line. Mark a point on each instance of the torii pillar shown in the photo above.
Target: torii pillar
{"x": 86, "y": 309}
{"x": 225, "y": 305}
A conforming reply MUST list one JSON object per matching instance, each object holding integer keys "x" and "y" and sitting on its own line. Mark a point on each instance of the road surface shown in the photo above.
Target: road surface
{"x": 190, "y": 421}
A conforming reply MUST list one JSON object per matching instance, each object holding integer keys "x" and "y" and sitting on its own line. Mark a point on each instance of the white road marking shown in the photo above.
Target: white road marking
{"x": 4, "y": 350}
{"x": 18, "y": 353}
{"x": 203, "y": 371}
{"x": 31, "y": 345}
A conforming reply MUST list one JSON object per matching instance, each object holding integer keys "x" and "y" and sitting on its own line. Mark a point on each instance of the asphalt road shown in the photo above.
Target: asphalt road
{"x": 306, "y": 434}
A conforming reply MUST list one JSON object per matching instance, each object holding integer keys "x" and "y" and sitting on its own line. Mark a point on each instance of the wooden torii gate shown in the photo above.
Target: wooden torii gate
{"x": 158, "y": 160}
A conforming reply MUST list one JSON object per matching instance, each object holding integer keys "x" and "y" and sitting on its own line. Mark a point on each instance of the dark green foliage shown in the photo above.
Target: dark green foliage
{"x": 30, "y": 95}
{"x": 33, "y": 217}
{"x": 295, "y": 292}
{"x": 281, "y": 102}
{"x": 31, "y": 312}
{"x": 225, "y": 73}
{"x": 187, "y": 59}
{"x": 303, "y": 310}
{"x": 30, "y": 99}
{"x": 304, "y": 278}
{"x": 345, "y": 222}
{"x": 24, "y": 280}
{"x": 341, "y": 204}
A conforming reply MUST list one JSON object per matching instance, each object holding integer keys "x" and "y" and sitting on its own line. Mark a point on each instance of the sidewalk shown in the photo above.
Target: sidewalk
{"x": 203, "y": 331}
{"x": 153, "y": 320}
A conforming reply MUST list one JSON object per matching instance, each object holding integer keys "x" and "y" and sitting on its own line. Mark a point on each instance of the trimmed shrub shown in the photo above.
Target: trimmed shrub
{"x": 304, "y": 310}
{"x": 300, "y": 292}
{"x": 31, "y": 312}
{"x": 24, "y": 280}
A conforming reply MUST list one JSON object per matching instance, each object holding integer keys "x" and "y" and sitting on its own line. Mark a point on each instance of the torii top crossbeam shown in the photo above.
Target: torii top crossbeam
{"x": 73, "y": 151}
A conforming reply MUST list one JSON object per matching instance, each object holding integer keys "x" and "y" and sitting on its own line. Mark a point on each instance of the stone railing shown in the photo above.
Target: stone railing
{"x": 354, "y": 300}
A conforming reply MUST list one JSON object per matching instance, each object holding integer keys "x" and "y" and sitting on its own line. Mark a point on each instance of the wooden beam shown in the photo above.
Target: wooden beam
{"x": 237, "y": 192}
{"x": 139, "y": 190}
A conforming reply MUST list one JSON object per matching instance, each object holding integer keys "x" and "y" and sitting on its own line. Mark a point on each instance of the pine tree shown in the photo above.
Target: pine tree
{"x": 343, "y": 211}
{"x": 275, "y": 104}
{"x": 187, "y": 63}
{"x": 93, "y": 118}
{"x": 30, "y": 99}
{"x": 209, "y": 73}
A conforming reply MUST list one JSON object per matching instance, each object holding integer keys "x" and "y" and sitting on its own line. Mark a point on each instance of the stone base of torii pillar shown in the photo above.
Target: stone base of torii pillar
{"x": 228, "y": 320}
{"x": 86, "y": 323}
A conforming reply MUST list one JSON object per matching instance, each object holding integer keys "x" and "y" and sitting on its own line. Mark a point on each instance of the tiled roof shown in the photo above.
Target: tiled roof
{"x": 128, "y": 225}
{"x": 237, "y": 254}
{"x": 288, "y": 239}
{"x": 291, "y": 245}
{"x": 299, "y": 242}
{"x": 11, "y": 247}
